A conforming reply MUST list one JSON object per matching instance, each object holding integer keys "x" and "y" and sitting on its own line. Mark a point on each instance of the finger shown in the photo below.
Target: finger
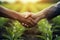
{"x": 28, "y": 15}
{"x": 22, "y": 23}
{"x": 33, "y": 16}
{"x": 32, "y": 22}
{"x": 26, "y": 25}
{"x": 29, "y": 22}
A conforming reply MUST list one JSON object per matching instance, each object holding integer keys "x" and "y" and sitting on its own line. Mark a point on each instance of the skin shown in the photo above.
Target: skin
{"x": 4, "y": 12}
{"x": 48, "y": 13}
{"x": 31, "y": 19}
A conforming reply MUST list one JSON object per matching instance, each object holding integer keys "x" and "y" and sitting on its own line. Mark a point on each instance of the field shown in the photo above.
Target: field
{"x": 15, "y": 30}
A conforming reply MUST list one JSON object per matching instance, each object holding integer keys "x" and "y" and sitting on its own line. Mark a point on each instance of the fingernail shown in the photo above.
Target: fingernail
{"x": 22, "y": 23}
{"x": 26, "y": 24}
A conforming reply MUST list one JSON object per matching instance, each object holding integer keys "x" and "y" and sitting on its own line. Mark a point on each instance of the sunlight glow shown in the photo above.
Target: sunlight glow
{"x": 10, "y": 1}
{"x": 29, "y": 1}
{"x": 23, "y": 1}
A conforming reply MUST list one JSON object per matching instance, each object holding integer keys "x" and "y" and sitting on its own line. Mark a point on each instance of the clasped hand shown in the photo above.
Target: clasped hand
{"x": 27, "y": 20}
{"x": 31, "y": 20}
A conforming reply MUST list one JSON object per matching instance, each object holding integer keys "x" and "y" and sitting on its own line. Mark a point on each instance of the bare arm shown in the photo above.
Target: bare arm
{"x": 4, "y": 12}
{"x": 49, "y": 12}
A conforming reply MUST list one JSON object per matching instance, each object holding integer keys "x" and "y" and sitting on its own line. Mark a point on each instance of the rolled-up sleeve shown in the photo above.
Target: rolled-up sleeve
{"x": 53, "y": 11}
{"x": 58, "y": 8}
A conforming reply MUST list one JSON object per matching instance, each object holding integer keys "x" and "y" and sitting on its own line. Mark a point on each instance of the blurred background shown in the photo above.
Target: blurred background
{"x": 13, "y": 30}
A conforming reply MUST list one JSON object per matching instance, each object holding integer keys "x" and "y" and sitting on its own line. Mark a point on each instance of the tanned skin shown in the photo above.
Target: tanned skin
{"x": 4, "y": 12}
{"x": 48, "y": 13}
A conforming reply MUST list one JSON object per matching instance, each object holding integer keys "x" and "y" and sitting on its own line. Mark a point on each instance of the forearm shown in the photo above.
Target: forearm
{"x": 45, "y": 13}
{"x": 4, "y": 12}
{"x": 49, "y": 12}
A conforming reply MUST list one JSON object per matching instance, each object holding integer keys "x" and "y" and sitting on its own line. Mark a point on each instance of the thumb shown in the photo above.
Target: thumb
{"x": 28, "y": 15}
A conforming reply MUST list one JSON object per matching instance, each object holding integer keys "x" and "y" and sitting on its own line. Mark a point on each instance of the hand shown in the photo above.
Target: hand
{"x": 27, "y": 22}
{"x": 30, "y": 17}
{"x": 34, "y": 17}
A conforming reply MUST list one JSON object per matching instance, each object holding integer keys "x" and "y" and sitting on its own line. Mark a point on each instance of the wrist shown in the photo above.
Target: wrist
{"x": 39, "y": 17}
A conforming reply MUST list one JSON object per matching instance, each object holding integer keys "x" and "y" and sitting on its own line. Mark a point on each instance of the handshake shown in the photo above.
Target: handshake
{"x": 28, "y": 19}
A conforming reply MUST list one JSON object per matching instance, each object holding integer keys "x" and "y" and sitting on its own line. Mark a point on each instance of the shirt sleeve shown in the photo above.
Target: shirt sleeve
{"x": 53, "y": 11}
{"x": 58, "y": 8}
